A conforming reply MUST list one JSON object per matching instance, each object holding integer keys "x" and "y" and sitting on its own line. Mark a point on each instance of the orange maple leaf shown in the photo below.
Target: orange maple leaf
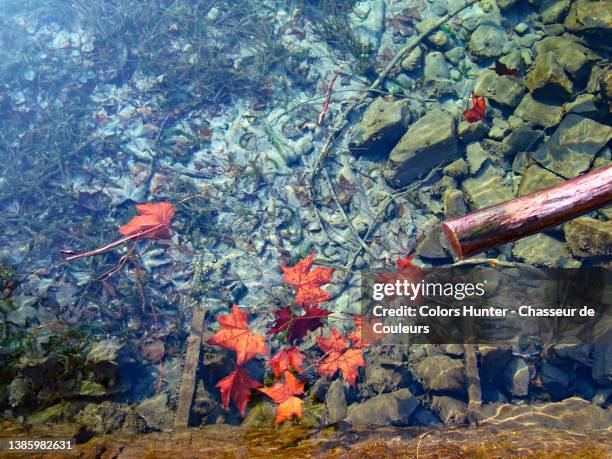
{"x": 364, "y": 335}
{"x": 153, "y": 221}
{"x": 287, "y": 359}
{"x": 235, "y": 335}
{"x": 283, "y": 394}
{"x": 339, "y": 357}
{"x": 308, "y": 282}
{"x": 405, "y": 270}
{"x": 237, "y": 388}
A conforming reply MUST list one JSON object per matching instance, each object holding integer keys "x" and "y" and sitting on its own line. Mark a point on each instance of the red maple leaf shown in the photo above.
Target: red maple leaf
{"x": 308, "y": 282}
{"x": 405, "y": 271}
{"x": 153, "y": 221}
{"x": 339, "y": 357}
{"x": 237, "y": 388}
{"x": 235, "y": 335}
{"x": 478, "y": 110}
{"x": 287, "y": 359}
{"x": 297, "y": 326}
{"x": 283, "y": 394}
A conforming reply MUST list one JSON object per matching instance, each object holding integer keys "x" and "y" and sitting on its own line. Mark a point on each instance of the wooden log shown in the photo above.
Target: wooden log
{"x": 190, "y": 369}
{"x": 529, "y": 214}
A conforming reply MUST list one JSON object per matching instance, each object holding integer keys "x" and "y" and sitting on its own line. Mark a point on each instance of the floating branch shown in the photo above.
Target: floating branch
{"x": 529, "y": 214}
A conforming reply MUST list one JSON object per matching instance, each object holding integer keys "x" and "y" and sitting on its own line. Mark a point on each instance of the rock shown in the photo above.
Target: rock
{"x": 368, "y": 22}
{"x": 586, "y": 16}
{"x": 543, "y": 250}
{"x": 393, "y": 408}
{"x": 487, "y": 41}
{"x": 573, "y": 146}
{"x": 548, "y": 80}
{"x": 457, "y": 168}
{"x": 450, "y": 410}
{"x": 156, "y": 413}
{"x": 552, "y": 10}
{"x": 536, "y": 178}
{"x": 493, "y": 360}
{"x": 584, "y": 104}
{"x": 20, "y": 392}
{"x": 103, "y": 361}
{"x": 527, "y": 40}
{"x": 486, "y": 188}
{"x": 424, "y": 417}
{"x": 574, "y": 58}
{"x": 413, "y": 60}
{"x": 521, "y": 28}
{"x": 453, "y": 203}
{"x": 260, "y": 415}
{"x": 436, "y": 76}
{"x": 515, "y": 378}
{"x": 523, "y": 138}
{"x": 61, "y": 412}
{"x": 476, "y": 156}
{"x": 40, "y": 370}
{"x": 602, "y": 359}
{"x": 335, "y": 402}
{"x": 428, "y": 142}
{"x": 505, "y": 90}
{"x": 555, "y": 381}
{"x": 441, "y": 373}
{"x": 108, "y": 417}
{"x": 432, "y": 244}
{"x": 384, "y": 375}
{"x": 469, "y": 132}
{"x": 602, "y": 396}
{"x": 506, "y": 4}
{"x": 588, "y": 237}
{"x": 500, "y": 127}
{"x": 455, "y": 55}
{"x": 438, "y": 39}
{"x": 382, "y": 125}
{"x": 545, "y": 114}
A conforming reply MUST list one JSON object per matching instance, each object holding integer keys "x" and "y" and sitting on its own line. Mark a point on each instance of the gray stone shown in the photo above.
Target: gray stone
{"x": 545, "y": 114}
{"x": 547, "y": 79}
{"x": 486, "y": 188}
{"x": 589, "y": 17}
{"x": 584, "y": 104}
{"x": 504, "y": 90}
{"x": 382, "y": 125}
{"x": 450, "y": 410}
{"x": 103, "y": 361}
{"x": 515, "y": 377}
{"x": 521, "y": 28}
{"x": 457, "y": 168}
{"x": 385, "y": 409}
{"x": 156, "y": 413}
{"x": 455, "y": 55}
{"x": 384, "y": 375}
{"x": 573, "y": 146}
{"x": 453, "y": 203}
{"x": 543, "y": 250}
{"x": 499, "y": 129}
{"x": 413, "y": 60}
{"x": 476, "y": 156}
{"x": 536, "y": 178}
{"x": 487, "y": 41}
{"x": 522, "y": 139}
{"x": 493, "y": 360}
{"x": 432, "y": 244}
{"x": 335, "y": 402}
{"x": 555, "y": 381}
{"x": 552, "y": 10}
{"x": 468, "y": 132}
{"x": 436, "y": 75}
{"x": 368, "y": 22}
{"x": 527, "y": 40}
{"x": 574, "y": 58}
{"x": 438, "y": 39}
{"x": 587, "y": 237}
{"x": 602, "y": 359}
{"x": 441, "y": 373}
{"x": 428, "y": 142}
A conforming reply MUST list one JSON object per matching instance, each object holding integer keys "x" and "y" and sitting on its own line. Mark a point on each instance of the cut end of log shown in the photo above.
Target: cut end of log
{"x": 452, "y": 240}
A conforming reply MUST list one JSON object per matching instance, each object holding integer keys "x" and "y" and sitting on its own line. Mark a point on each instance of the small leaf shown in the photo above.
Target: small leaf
{"x": 237, "y": 388}
{"x": 153, "y": 221}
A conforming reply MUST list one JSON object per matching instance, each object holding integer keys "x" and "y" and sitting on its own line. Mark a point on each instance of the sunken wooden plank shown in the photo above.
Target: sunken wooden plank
{"x": 473, "y": 378}
{"x": 529, "y": 214}
{"x": 192, "y": 360}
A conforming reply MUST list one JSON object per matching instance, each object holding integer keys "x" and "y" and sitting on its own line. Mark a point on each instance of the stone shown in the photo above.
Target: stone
{"x": 103, "y": 361}
{"x": 436, "y": 75}
{"x": 548, "y": 80}
{"x": 602, "y": 359}
{"x": 574, "y": 58}
{"x": 413, "y": 60}
{"x": 504, "y": 89}
{"x": 528, "y": 40}
{"x": 552, "y": 10}
{"x": 108, "y": 417}
{"x": 432, "y": 244}
{"x": 487, "y": 188}
{"x": 468, "y": 132}
{"x": 521, "y": 28}
{"x": 367, "y": 22}
{"x": 499, "y": 129}
{"x": 438, "y": 39}
{"x": 382, "y": 125}
{"x": 476, "y": 156}
{"x": 455, "y": 55}
{"x": 493, "y": 360}
{"x": 156, "y": 413}
{"x": 545, "y": 114}
{"x": 573, "y": 146}
{"x": 523, "y": 138}
{"x": 586, "y": 16}
{"x": 457, "y": 168}
{"x": 555, "y": 381}
{"x": 394, "y": 408}
{"x": 441, "y": 373}
{"x": 515, "y": 377}
{"x": 335, "y": 402}
{"x": 487, "y": 41}
{"x": 428, "y": 142}
{"x": 544, "y": 250}
{"x": 536, "y": 178}
{"x": 384, "y": 375}
{"x": 588, "y": 237}
{"x": 450, "y": 410}
{"x": 453, "y": 203}
{"x": 584, "y": 104}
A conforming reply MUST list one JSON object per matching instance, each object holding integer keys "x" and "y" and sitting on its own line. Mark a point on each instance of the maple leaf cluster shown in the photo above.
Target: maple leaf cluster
{"x": 343, "y": 355}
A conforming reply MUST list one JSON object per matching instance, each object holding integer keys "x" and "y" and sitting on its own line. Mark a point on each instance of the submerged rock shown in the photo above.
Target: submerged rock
{"x": 586, "y": 16}
{"x": 487, "y": 41}
{"x": 382, "y": 125}
{"x": 552, "y": 10}
{"x": 503, "y": 89}
{"x": 547, "y": 79}
{"x": 368, "y": 22}
{"x": 573, "y": 146}
{"x": 543, "y": 250}
{"x": 515, "y": 378}
{"x": 573, "y": 58}
{"x": 588, "y": 237}
{"x": 536, "y": 178}
{"x": 545, "y": 114}
{"x": 394, "y": 408}
{"x": 450, "y": 410}
{"x": 488, "y": 187}
{"x": 335, "y": 402}
{"x": 441, "y": 373}
{"x": 428, "y": 142}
